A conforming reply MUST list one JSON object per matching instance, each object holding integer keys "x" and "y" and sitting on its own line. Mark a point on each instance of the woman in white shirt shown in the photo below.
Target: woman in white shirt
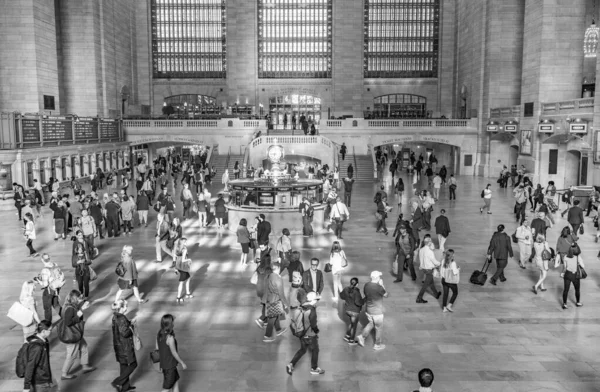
{"x": 539, "y": 247}
{"x": 30, "y": 234}
{"x": 487, "y": 199}
{"x": 450, "y": 278}
{"x": 338, "y": 261}
{"x": 225, "y": 179}
{"x": 28, "y": 301}
{"x": 571, "y": 260}
{"x": 525, "y": 238}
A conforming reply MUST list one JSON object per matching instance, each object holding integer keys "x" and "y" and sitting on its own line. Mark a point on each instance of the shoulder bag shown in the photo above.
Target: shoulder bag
{"x": 327, "y": 267}
{"x": 343, "y": 217}
{"x": 72, "y": 334}
{"x": 93, "y": 274}
{"x": 254, "y": 278}
{"x": 580, "y": 274}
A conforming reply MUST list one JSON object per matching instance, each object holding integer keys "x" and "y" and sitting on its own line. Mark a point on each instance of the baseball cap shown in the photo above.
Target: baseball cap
{"x": 376, "y": 274}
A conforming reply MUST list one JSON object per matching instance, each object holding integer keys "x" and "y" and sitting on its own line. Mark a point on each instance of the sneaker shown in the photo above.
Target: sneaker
{"x": 445, "y": 310}
{"x": 267, "y": 339}
{"x": 360, "y": 340}
{"x": 317, "y": 371}
{"x": 490, "y": 212}
{"x": 378, "y": 347}
{"x": 449, "y": 307}
{"x": 282, "y": 331}
{"x": 564, "y": 306}
{"x": 352, "y": 343}
{"x": 260, "y": 323}
{"x": 579, "y": 304}
{"x": 347, "y": 339}
{"x": 289, "y": 368}
{"x": 481, "y": 210}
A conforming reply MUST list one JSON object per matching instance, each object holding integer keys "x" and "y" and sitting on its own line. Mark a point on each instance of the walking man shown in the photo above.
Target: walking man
{"x": 112, "y": 216}
{"x": 575, "y": 217}
{"x": 521, "y": 197}
{"x": 309, "y": 336}
{"x": 348, "y": 182}
{"x": 308, "y": 212}
{"x": 343, "y": 150}
{"x": 442, "y": 228}
{"x": 500, "y": 248}
{"x": 405, "y": 248}
{"x": 38, "y": 374}
{"x": 374, "y": 294}
{"x": 452, "y": 185}
{"x": 263, "y": 230}
{"x": 339, "y": 215}
{"x": 162, "y": 236}
{"x": 428, "y": 263}
{"x": 567, "y": 198}
{"x": 437, "y": 184}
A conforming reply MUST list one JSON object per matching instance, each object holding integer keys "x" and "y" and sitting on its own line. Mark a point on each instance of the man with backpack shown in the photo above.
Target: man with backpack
{"x": 304, "y": 326}
{"x": 33, "y": 360}
{"x": 51, "y": 279}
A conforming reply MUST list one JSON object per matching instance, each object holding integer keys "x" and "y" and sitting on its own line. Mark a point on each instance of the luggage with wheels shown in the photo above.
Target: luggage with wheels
{"x": 479, "y": 277}
{"x": 552, "y": 205}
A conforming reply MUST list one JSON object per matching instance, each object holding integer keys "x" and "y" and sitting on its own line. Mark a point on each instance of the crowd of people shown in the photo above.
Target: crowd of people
{"x": 85, "y": 217}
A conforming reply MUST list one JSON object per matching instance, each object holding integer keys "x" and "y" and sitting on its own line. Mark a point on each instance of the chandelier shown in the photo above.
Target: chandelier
{"x": 590, "y": 40}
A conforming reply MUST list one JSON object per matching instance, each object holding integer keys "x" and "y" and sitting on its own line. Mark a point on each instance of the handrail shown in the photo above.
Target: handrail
{"x": 245, "y": 161}
{"x": 355, "y": 161}
{"x": 210, "y": 153}
{"x": 227, "y": 160}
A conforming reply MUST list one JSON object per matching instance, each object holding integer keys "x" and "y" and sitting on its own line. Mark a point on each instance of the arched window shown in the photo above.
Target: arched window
{"x": 192, "y": 105}
{"x": 286, "y": 108}
{"x": 400, "y": 106}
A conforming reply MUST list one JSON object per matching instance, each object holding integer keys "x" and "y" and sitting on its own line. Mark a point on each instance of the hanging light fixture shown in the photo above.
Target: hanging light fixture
{"x": 591, "y": 37}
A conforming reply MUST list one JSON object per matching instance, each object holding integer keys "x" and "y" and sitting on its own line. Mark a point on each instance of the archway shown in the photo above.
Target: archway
{"x": 574, "y": 152}
{"x": 446, "y": 154}
{"x": 284, "y": 108}
{"x": 504, "y": 151}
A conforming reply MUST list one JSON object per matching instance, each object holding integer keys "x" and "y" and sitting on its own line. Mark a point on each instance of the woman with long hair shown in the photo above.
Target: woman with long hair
{"x": 487, "y": 199}
{"x": 572, "y": 260}
{"x": 182, "y": 268}
{"x": 450, "y": 277}
{"x": 30, "y": 234}
{"x": 539, "y": 246}
{"x": 130, "y": 279}
{"x": 338, "y": 261}
{"x": 243, "y": 238}
{"x": 166, "y": 344}
{"x": 28, "y": 301}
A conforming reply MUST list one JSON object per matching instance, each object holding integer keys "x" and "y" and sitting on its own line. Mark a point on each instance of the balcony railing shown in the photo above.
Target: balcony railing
{"x": 574, "y": 106}
{"x": 224, "y": 123}
{"x": 388, "y": 123}
{"x": 32, "y": 131}
{"x": 508, "y": 111}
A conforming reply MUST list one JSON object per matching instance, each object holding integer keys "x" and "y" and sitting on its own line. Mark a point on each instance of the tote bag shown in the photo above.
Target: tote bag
{"x": 20, "y": 314}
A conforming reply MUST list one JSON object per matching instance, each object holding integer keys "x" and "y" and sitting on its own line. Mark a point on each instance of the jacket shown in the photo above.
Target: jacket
{"x": 127, "y": 208}
{"x": 123, "y": 339}
{"x": 575, "y": 215}
{"x": 96, "y": 213}
{"x": 86, "y": 253}
{"x": 354, "y": 301}
{"x": 70, "y": 315}
{"x": 162, "y": 231}
{"x": 442, "y": 226}
{"x": 417, "y": 219}
{"x": 37, "y": 370}
{"x": 500, "y": 246}
{"x": 539, "y": 226}
{"x": 142, "y": 203}
{"x": 308, "y": 283}
{"x": 312, "y": 317}
{"x": 112, "y": 209}
{"x": 243, "y": 235}
{"x": 263, "y": 230}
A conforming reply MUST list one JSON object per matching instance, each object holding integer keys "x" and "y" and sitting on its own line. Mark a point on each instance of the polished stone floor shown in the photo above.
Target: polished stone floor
{"x": 501, "y": 338}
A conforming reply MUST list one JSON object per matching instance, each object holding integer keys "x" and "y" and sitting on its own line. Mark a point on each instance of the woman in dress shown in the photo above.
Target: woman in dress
{"x": 539, "y": 246}
{"x": 571, "y": 260}
{"x": 28, "y": 301}
{"x": 487, "y": 199}
{"x": 130, "y": 279}
{"x": 243, "y": 238}
{"x": 338, "y": 261}
{"x": 166, "y": 344}
{"x": 30, "y": 234}
{"x": 220, "y": 210}
{"x": 182, "y": 267}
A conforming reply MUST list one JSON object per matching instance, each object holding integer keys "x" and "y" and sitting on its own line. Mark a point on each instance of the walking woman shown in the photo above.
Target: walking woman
{"x": 338, "y": 261}
{"x": 487, "y": 199}
{"x": 275, "y": 302}
{"x": 399, "y": 192}
{"x": 183, "y": 268}
{"x": 263, "y": 271}
{"x": 166, "y": 344}
{"x": 243, "y": 238}
{"x": 59, "y": 211}
{"x": 225, "y": 179}
{"x": 541, "y": 260}
{"x": 30, "y": 234}
{"x": 382, "y": 210}
{"x": 122, "y": 330}
{"x": 525, "y": 238}
{"x": 130, "y": 279}
{"x": 564, "y": 242}
{"x": 28, "y": 301}
{"x": 572, "y": 260}
{"x": 353, "y": 304}
{"x": 220, "y": 210}
{"x": 81, "y": 261}
{"x": 73, "y": 309}
{"x": 450, "y": 278}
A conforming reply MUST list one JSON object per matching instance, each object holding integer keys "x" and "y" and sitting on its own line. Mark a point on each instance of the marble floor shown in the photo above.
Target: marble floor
{"x": 501, "y": 338}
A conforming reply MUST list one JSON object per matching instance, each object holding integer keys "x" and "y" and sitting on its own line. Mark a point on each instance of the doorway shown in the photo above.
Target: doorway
{"x": 572, "y": 168}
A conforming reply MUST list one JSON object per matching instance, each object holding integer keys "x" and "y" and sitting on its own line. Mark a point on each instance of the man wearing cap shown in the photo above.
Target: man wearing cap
{"x": 263, "y": 229}
{"x": 310, "y": 338}
{"x": 500, "y": 248}
{"x": 49, "y": 295}
{"x": 374, "y": 295}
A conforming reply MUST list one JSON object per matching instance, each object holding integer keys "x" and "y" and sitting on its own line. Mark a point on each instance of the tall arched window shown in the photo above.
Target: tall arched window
{"x": 401, "y": 38}
{"x": 189, "y": 38}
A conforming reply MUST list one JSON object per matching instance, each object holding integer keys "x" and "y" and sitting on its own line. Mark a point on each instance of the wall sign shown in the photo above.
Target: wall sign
{"x": 492, "y": 128}
{"x": 578, "y": 128}
{"x": 510, "y": 128}
{"x": 546, "y": 128}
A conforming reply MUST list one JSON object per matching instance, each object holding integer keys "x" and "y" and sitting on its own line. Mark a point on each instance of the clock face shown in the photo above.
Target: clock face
{"x": 275, "y": 153}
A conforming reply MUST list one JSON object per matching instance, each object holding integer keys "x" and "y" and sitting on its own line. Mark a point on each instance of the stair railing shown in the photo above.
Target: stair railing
{"x": 355, "y": 162}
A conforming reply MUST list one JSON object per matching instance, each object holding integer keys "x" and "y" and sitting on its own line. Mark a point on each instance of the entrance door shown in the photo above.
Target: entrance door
{"x": 583, "y": 170}
{"x": 30, "y": 174}
{"x": 572, "y": 168}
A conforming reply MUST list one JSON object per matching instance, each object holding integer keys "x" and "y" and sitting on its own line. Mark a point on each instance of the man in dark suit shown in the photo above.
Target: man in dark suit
{"x": 575, "y": 216}
{"x": 312, "y": 280}
{"x": 500, "y": 248}
{"x": 416, "y": 221}
{"x": 263, "y": 229}
{"x": 442, "y": 229}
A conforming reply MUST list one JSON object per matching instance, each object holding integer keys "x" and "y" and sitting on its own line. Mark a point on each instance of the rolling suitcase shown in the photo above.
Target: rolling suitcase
{"x": 552, "y": 205}
{"x": 480, "y": 277}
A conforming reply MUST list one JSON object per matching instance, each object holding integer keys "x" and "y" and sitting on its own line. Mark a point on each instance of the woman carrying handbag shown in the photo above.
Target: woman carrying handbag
{"x": 276, "y": 303}
{"x": 542, "y": 256}
{"x": 573, "y": 273}
{"x": 123, "y": 334}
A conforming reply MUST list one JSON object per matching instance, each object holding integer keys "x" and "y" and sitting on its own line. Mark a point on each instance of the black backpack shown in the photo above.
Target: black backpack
{"x": 310, "y": 212}
{"x": 377, "y": 198}
{"x": 566, "y": 198}
{"x": 120, "y": 270}
{"x": 482, "y": 193}
{"x": 21, "y": 361}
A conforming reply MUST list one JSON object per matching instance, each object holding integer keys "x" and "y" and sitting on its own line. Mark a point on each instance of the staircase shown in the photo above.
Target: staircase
{"x": 363, "y": 167}
{"x": 219, "y": 162}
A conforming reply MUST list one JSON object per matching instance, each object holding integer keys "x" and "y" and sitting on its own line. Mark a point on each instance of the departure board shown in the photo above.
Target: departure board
{"x": 86, "y": 128}
{"x": 109, "y": 129}
{"x": 31, "y": 130}
{"x": 57, "y": 129}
